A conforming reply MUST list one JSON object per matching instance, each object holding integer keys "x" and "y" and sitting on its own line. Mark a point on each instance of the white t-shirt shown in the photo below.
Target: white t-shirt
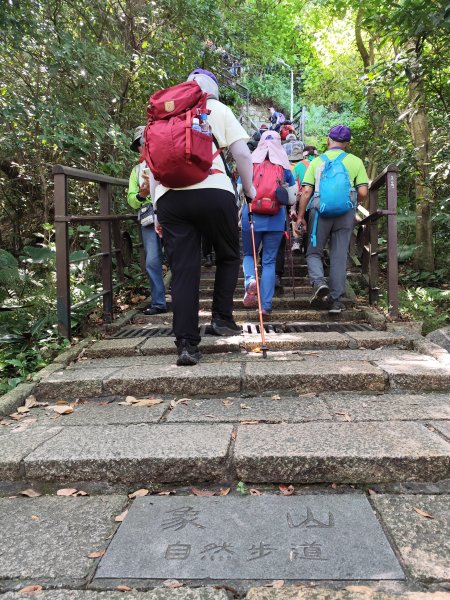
{"x": 227, "y": 130}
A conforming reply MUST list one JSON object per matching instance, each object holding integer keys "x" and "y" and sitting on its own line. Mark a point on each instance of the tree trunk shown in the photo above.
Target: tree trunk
{"x": 418, "y": 124}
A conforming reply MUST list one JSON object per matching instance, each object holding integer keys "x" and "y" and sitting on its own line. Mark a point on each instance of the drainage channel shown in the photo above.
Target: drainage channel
{"x": 248, "y": 328}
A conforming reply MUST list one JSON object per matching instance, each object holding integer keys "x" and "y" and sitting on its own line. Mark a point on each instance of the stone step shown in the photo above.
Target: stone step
{"x": 261, "y": 439}
{"x": 280, "y": 302}
{"x": 135, "y": 343}
{"x": 206, "y": 291}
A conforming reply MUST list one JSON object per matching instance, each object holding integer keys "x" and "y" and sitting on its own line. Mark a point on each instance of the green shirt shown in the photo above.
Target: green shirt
{"x": 299, "y": 170}
{"x": 133, "y": 189}
{"x": 352, "y": 163}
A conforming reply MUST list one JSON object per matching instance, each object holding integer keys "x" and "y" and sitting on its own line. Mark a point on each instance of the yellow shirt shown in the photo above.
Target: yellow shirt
{"x": 227, "y": 130}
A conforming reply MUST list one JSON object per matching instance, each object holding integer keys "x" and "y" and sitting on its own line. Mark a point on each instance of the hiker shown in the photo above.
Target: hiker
{"x": 286, "y": 129}
{"x": 345, "y": 183}
{"x": 271, "y": 169}
{"x": 208, "y": 207}
{"x": 140, "y": 199}
{"x": 291, "y": 144}
{"x": 276, "y": 119}
{"x": 301, "y": 162}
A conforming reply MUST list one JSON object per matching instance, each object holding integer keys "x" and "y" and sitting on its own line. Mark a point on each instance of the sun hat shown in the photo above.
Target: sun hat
{"x": 270, "y": 143}
{"x": 340, "y": 133}
{"x": 291, "y": 137}
{"x": 297, "y": 153}
{"x": 138, "y": 133}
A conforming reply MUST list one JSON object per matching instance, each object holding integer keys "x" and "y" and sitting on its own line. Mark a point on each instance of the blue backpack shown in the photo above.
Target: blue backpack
{"x": 333, "y": 195}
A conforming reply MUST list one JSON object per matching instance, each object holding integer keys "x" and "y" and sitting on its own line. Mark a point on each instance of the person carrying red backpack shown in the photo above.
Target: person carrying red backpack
{"x": 271, "y": 170}
{"x": 194, "y": 197}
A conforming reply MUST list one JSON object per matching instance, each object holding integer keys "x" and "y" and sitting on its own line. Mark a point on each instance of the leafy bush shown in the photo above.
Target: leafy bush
{"x": 430, "y": 305}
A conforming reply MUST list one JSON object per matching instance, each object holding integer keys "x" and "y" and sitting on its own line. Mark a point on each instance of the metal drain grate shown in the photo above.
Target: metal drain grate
{"x": 147, "y": 332}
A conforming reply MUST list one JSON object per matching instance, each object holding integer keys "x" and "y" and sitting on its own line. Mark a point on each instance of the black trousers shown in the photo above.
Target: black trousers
{"x": 186, "y": 215}
{"x": 279, "y": 265}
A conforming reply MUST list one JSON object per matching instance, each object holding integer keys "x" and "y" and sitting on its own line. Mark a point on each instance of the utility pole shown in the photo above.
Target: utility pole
{"x": 281, "y": 61}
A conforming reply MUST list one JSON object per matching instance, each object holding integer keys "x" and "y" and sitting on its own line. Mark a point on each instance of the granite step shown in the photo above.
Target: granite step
{"x": 281, "y": 302}
{"x": 206, "y": 291}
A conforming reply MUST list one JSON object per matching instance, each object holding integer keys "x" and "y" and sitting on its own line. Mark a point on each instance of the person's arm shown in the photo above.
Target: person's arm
{"x": 307, "y": 191}
{"x": 134, "y": 198}
{"x": 362, "y": 191}
{"x": 242, "y": 157}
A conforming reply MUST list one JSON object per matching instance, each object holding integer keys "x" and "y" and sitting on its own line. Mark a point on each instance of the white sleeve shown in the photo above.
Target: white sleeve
{"x": 241, "y": 154}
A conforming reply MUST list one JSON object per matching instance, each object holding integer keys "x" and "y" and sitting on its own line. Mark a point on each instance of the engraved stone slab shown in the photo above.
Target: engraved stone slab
{"x": 270, "y": 537}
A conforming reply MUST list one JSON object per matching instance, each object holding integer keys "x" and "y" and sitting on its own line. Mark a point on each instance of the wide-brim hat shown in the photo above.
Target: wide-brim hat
{"x": 138, "y": 133}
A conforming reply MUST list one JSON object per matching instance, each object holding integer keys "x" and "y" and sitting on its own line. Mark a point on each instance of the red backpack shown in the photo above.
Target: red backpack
{"x": 266, "y": 178}
{"x": 178, "y": 155}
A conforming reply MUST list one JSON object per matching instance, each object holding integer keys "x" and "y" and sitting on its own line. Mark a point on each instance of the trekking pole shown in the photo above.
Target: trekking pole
{"x": 261, "y": 322}
{"x": 291, "y": 258}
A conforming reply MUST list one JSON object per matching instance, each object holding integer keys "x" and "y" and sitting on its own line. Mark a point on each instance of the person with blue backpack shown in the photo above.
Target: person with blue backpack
{"x": 331, "y": 188}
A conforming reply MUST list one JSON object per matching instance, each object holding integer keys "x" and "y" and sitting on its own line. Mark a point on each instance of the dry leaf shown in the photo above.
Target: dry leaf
{"x": 233, "y": 435}
{"x": 172, "y": 583}
{"x": 61, "y": 402}
{"x": 81, "y": 493}
{"x": 372, "y": 492}
{"x": 138, "y": 493}
{"x": 61, "y": 410}
{"x": 308, "y": 395}
{"x": 4, "y": 422}
{"x": 224, "y": 491}
{"x": 276, "y": 397}
{"x": 211, "y": 416}
{"x": 30, "y": 493}
{"x": 124, "y": 588}
{"x": 22, "y": 410}
{"x": 245, "y": 406}
{"x": 346, "y": 416}
{"x": 227, "y": 402}
{"x": 257, "y": 349}
{"x": 34, "y": 518}
{"x": 66, "y": 492}
{"x": 249, "y": 422}
{"x": 174, "y": 403}
{"x": 16, "y": 416}
{"x": 278, "y": 583}
{"x": 422, "y": 513}
{"x": 96, "y": 554}
{"x": 30, "y": 589}
{"x": 359, "y": 589}
{"x": 286, "y": 490}
{"x": 121, "y": 517}
{"x": 23, "y": 425}
{"x": 254, "y": 492}
{"x": 204, "y": 493}
{"x": 166, "y": 492}
{"x": 130, "y": 399}
{"x": 147, "y": 402}
{"x": 31, "y": 402}
{"x": 333, "y": 486}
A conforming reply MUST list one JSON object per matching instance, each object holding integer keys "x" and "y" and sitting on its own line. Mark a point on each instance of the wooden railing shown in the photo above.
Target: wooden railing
{"x": 366, "y": 249}
{"x": 111, "y": 242}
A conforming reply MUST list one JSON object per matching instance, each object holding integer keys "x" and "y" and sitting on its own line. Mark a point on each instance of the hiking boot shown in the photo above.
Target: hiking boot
{"x": 188, "y": 355}
{"x": 209, "y": 261}
{"x": 250, "y": 299}
{"x": 336, "y": 307}
{"x": 153, "y": 310}
{"x": 225, "y": 326}
{"x": 297, "y": 246}
{"x": 320, "y": 291}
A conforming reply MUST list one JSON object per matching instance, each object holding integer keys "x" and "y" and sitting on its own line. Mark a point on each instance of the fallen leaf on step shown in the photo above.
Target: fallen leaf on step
{"x": 333, "y": 486}
{"x": 30, "y": 493}
{"x": 121, "y": 517}
{"x": 30, "y": 589}
{"x": 96, "y": 554}
{"x": 130, "y": 399}
{"x": 311, "y": 353}
{"x": 61, "y": 410}
{"x": 346, "y": 416}
{"x": 234, "y": 435}
{"x": 254, "y": 492}
{"x": 174, "y": 403}
{"x": 245, "y": 406}
{"x": 205, "y": 493}
{"x": 31, "y": 402}
{"x": 422, "y": 513}
{"x": 286, "y": 490}
{"x": 276, "y": 397}
{"x": 147, "y": 402}
{"x": 22, "y": 410}
{"x": 172, "y": 583}
{"x": 124, "y": 588}
{"x": 249, "y": 422}
{"x": 166, "y": 492}
{"x": 61, "y": 402}
{"x": 138, "y": 493}
{"x": 66, "y": 492}
{"x": 224, "y": 491}
{"x": 16, "y": 416}
{"x": 359, "y": 589}
{"x": 308, "y": 395}
{"x": 372, "y": 492}
{"x": 23, "y": 425}
{"x": 227, "y": 402}
{"x": 34, "y": 518}
{"x": 81, "y": 493}
{"x": 4, "y": 422}
{"x": 211, "y": 416}
{"x": 256, "y": 350}
{"x": 277, "y": 583}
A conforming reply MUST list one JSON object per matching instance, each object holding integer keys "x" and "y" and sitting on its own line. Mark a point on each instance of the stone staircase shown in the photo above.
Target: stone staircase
{"x": 338, "y": 400}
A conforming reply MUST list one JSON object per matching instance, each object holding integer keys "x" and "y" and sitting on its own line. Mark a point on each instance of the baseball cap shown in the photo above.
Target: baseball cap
{"x": 340, "y": 133}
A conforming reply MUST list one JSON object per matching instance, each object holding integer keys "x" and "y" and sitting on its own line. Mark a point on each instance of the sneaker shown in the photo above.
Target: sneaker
{"x": 188, "y": 355}
{"x": 250, "y": 299}
{"x": 296, "y": 246}
{"x": 336, "y": 307}
{"x": 153, "y": 310}
{"x": 320, "y": 291}
{"x": 209, "y": 261}
{"x": 266, "y": 312}
{"x": 225, "y": 327}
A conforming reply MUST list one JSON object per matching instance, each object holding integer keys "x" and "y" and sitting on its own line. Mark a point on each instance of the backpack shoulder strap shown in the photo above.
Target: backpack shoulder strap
{"x": 341, "y": 157}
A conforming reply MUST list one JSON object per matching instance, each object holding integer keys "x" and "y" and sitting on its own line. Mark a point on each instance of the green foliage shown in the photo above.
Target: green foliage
{"x": 427, "y": 304}
{"x": 242, "y": 488}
